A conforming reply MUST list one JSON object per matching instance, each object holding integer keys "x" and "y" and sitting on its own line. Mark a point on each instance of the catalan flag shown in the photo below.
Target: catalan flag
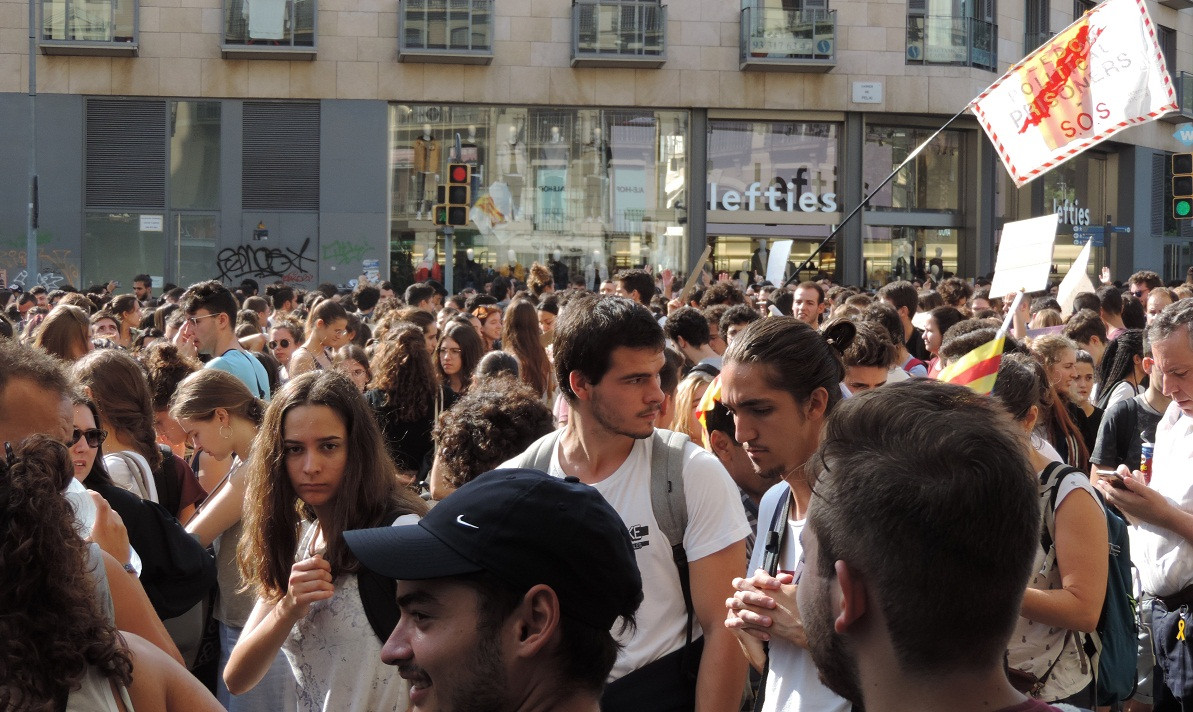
{"x": 978, "y": 368}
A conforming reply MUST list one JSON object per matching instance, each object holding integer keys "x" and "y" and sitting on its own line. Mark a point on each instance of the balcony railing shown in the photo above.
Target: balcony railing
{"x": 1183, "y": 83}
{"x": 96, "y": 27}
{"x": 944, "y": 39}
{"x": 618, "y": 34}
{"x": 453, "y": 31}
{"x": 788, "y": 40}
{"x": 270, "y": 29}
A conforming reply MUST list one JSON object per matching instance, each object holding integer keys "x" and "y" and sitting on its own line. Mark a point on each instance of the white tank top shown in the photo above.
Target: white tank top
{"x": 95, "y": 695}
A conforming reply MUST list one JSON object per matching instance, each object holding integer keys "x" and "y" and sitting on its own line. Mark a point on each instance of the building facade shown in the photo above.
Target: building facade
{"x": 303, "y": 140}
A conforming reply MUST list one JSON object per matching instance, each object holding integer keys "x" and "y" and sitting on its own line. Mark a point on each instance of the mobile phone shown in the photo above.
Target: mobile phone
{"x": 1115, "y": 479}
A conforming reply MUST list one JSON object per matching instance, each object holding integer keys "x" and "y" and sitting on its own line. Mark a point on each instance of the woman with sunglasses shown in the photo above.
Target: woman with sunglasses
{"x": 284, "y": 338}
{"x": 327, "y": 329}
{"x": 218, "y": 413}
{"x": 149, "y": 534}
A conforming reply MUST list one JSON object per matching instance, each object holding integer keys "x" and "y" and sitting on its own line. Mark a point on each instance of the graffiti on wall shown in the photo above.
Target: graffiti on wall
{"x": 284, "y": 263}
{"x": 57, "y": 268}
{"x": 343, "y": 252}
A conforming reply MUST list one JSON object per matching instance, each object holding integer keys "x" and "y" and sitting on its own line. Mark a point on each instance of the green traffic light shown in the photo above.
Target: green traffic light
{"x": 1182, "y": 208}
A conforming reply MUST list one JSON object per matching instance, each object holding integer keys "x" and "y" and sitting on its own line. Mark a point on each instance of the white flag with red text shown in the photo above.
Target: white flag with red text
{"x": 1096, "y": 77}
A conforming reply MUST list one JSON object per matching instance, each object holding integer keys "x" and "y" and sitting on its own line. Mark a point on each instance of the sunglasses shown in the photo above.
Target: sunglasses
{"x": 95, "y": 437}
{"x": 284, "y": 343}
{"x": 1137, "y": 295}
{"x": 194, "y": 320}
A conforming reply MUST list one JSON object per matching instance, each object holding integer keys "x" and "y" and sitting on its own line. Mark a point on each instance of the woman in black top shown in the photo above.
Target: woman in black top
{"x": 407, "y": 398}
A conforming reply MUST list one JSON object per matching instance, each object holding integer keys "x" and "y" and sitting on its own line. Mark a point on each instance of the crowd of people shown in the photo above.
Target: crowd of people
{"x": 540, "y": 497}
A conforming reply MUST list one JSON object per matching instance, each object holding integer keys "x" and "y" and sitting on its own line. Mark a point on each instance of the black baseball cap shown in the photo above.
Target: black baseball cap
{"x": 526, "y": 528}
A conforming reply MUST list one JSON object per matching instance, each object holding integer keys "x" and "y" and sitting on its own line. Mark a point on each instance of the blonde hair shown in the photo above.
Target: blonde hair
{"x": 686, "y": 402}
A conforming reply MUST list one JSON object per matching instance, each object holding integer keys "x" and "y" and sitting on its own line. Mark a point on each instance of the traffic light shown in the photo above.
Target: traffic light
{"x": 459, "y": 193}
{"x": 439, "y": 210}
{"x": 1182, "y": 186}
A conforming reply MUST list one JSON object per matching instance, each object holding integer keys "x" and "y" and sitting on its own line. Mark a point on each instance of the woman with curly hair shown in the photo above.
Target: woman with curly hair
{"x": 65, "y": 333}
{"x": 165, "y": 367}
{"x": 487, "y": 426}
{"x": 406, "y": 399}
{"x": 521, "y": 336}
{"x": 59, "y": 647}
{"x": 319, "y": 469}
{"x": 460, "y": 350}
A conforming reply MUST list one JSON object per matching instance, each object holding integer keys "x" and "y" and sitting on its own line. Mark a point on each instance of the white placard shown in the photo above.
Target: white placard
{"x": 1075, "y": 282}
{"x": 776, "y": 264}
{"x": 1024, "y": 255}
{"x": 151, "y": 223}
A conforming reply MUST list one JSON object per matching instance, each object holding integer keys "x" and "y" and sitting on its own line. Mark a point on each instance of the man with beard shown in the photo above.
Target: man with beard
{"x": 508, "y": 591}
{"x": 608, "y": 357}
{"x": 778, "y": 413}
{"x": 915, "y": 567}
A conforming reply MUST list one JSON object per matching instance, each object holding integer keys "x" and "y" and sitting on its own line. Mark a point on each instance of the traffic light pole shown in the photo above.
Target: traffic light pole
{"x": 449, "y": 258}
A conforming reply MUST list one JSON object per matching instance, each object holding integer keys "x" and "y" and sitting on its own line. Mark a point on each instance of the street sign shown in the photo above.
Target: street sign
{"x": 1095, "y": 239}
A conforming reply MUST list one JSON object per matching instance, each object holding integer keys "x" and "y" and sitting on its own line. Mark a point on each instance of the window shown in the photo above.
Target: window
{"x": 1080, "y": 7}
{"x": 89, "y": 27}
{"x": 1166, "y": 36}
{"x": 269, "y": 29}
{"x": 799, "y": 35}
{"x": 458, "y": 31}
{"x": 1036, "y": 25}
{"x": 952, "y": 32}
{"x": 619, "y": 33}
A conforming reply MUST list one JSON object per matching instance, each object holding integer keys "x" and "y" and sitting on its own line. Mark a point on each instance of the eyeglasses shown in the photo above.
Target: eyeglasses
{"x": 95, "y": 436}
{"x": 284, "y": 343}
{"x": 450, "y": 352}
{"x": 194, "y": 320}
{"x": 339, "y": 332}
{"x": 1137, "y": 295}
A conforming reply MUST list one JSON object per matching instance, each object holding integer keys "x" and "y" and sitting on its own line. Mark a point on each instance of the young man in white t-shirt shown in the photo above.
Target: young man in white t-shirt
{"x": 778, "y": 413}
{"x": 608, "y": 355}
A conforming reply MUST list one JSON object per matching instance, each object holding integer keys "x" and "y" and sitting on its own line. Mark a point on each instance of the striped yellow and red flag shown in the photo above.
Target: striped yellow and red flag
{"x": 978, "y": 368}
{"x": 712, "y": 396}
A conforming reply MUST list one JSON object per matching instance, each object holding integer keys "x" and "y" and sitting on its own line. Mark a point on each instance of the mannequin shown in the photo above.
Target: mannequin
{"x": 559, "y": 271}
{"x": 511, "y": 161}
{"x": 426, "y": 163}
{"x": 471, "y": 154}
{"x": 596, "y": 271}
{"x": 429, "y": 267}
{"x": 936, "y": 264}
{"x": 596, "y": 179}
{"x": 512, "y": 267}
{"x": 759, "y": 260}
{"x": 552, "y": 174}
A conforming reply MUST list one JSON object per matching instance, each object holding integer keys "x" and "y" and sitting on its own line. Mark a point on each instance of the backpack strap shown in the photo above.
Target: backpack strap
{"x": 1050, "y": 480}
{"x": 774, "y": 534}
{"x": 145, "y": 488}
{"x": 670, "y": 508}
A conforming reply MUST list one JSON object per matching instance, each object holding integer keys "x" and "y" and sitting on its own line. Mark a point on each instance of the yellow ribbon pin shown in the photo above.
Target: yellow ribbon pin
{"x": 1180, "y": 630}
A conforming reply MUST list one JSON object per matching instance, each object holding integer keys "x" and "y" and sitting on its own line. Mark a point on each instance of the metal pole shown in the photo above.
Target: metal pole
{"x": 865, "y": 201}
{"x": 31, "y": 270}
{"x": 449, "y": 258}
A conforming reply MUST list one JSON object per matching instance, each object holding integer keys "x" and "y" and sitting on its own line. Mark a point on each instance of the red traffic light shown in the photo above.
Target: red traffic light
{"x": 458, "y": 173}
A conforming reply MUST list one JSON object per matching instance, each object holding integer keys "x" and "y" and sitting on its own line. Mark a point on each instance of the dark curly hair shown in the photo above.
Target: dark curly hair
{"x": 487, "y": 426}
{"x": 402, "y": 369}
{"x": 52, "y": 629}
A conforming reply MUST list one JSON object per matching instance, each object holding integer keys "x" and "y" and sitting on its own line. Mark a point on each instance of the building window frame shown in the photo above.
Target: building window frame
{"x": 446, "y": 31}
{"x": 965, "y": 36}
{"x": 296, "y": 38}
{"x": 67, "y": 27}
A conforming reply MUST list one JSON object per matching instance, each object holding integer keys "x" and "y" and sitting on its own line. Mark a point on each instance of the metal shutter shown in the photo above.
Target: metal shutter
{"x": 280, "y": 156}
{"x": 126, "y": 154}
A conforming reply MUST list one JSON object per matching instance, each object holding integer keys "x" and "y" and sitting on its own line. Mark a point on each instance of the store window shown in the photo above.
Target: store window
{"x": 773, "y": 166}
{"x": 932, "y": 182}
{"x": 587, "y": 192}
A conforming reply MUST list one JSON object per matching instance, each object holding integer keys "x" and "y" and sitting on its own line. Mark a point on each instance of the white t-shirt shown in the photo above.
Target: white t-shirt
{"x": 1164, "y": 558}
{"x": 792, "y": 684}
{"x": 123, "y": 476}
{"x": 716, "y": 519}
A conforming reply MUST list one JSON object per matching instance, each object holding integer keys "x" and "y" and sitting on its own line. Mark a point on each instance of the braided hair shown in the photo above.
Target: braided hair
{"x": 1118, "y": 363}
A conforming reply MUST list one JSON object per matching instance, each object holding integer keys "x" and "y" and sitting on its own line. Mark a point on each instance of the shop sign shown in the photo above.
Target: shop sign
{"x": 774, "y": 197}
{"x": 1070, "y": 212}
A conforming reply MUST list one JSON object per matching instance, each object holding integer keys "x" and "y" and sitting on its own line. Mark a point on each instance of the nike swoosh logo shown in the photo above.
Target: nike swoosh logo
{"x": 460, "y": 520}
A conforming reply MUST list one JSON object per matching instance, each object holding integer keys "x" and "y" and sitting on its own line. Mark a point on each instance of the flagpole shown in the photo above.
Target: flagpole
{"x": 1010, "y": 317}
{"x": 865, "y": 201}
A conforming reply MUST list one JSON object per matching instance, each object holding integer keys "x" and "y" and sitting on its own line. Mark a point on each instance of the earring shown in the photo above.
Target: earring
{"x": 228, "y": 435}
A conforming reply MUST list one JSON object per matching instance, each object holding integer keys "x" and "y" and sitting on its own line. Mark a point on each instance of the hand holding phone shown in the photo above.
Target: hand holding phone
{"x": 1114, "y": 478}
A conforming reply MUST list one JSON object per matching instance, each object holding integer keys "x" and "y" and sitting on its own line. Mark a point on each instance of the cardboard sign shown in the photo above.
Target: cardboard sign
{"x": 1024, "y": 256}
{"x": 1075, "y": 282}
{"x": 776, "y": 264}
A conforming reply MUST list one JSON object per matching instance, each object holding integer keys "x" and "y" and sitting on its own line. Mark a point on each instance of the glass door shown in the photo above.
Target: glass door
{"x": 193, "y": 248}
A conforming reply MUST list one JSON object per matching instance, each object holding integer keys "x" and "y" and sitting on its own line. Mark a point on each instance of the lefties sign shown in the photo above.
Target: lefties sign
{"x": 775, "y": 197}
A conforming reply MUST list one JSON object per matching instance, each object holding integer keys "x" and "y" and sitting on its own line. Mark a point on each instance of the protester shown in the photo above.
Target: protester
{"x": 165, "y": 367}
{"x": 64, "y": 333}
{"x": 319, "y": 469}
{"x": 221, "y": 416}
{"x": 608, "y": 354}
{"x": 881, "y": 625}
{"x": 460, "y": 350}
{"x": 1121, "y": 374}
{"x": 326, "y": 329}
{"x": 352, "y": 361}
{"x": 870, "y": 359}
{"x": 779, "y": 413}
{"x": 211, "y": 311}
{"x": 521, "y": 337}
{"x": 940, "y": 320}
{"x": 489, "y": 318}
{"x": 58, "y": 638}
{"x": 284, "y": 338}
{"x": 522, "y": 620}
{"x": 687, "y": 398}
